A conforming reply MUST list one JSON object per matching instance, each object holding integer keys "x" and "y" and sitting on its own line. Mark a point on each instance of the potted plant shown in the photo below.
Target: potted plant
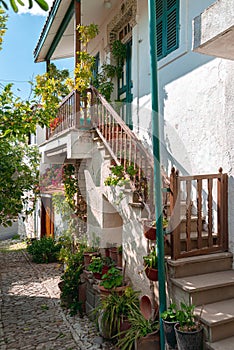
{"x": 169, "y": 318}
{"x": 143, "y": 334}
{"x": 108, "y": 262}
{"x": 151, "y": 264}
{"x": 89, "y": 253}
{"x": 112, "y": 281}
{"x": 150, "y": 228}
{"x": 114, "y": 311}
{"x": 189, "y": 331}
{"x": 96, "y": 266}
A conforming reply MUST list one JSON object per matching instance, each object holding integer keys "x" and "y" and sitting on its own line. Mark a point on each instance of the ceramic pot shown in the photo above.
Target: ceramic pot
{"x": 149, "y": 232}
{"x": 149, "y": 342}
{"x": 152, "y": 274}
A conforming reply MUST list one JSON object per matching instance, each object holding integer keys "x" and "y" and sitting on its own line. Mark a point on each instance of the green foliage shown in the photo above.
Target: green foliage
{"x": 83, "y": 69}
{"x": 62, "y": 207}
{"x": 87, "y": 32}
{"x": 119, "y": 177}
{"x": 140, "y": 327}
{"x": 96, "y": 264}
{"x": 19, "y": 161}
{"x": 119, "y": 52}
{"x": 112, "y": 279}
{"x": 45, "y": 250}
{"x": 15, "y": 3}
{"x": 171, "y": 314}
{"x": 115, "y": 308}
{"x": 50, "y": 89}
{"x": 18, "y": 179}
{"x": 151, "y": 260}
{"x": 3, "y": 28}
{"x": 70, "y": 185}
{"x": 187, "y": 318}
{"x": 70, "y": 283}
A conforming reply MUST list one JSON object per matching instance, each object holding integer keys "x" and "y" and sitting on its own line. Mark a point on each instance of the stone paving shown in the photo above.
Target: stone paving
{"x": 30, "y": 314}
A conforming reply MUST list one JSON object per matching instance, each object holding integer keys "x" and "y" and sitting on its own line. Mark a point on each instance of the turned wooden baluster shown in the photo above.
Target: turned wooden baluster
{"x": 199, "y": 213}
{"x": 188, "y": 215}
{"x": 210, "y": 212}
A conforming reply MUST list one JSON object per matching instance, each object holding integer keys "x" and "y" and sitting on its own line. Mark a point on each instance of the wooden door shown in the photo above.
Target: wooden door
{"x": 47, "y": 217}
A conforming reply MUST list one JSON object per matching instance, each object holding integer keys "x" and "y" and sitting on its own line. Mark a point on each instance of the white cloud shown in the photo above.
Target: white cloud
{"x": 35, "y": 10}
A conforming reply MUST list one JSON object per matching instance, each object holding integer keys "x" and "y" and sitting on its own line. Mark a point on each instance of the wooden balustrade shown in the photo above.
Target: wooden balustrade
{"x": 126, "y": 149}
{"x": 206, "y": 201}
{"x": 71, "y": 115}
{"x": 205, "y": 196}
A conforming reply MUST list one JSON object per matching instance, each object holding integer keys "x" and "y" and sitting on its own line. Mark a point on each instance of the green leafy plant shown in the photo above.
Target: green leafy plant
{"x": 116, "y": 308}
{"x": 119, "y": 176}
{"x": 70, "y": 281}
{"x": 139, "y": 327}
{"x": 112, "y": 279}
{"x": 188, "y": 321}
{"x": 45, "y": 250}
{"x": 171, "y": 314}
{"x": 151, "y": 260}
{"x": 96, "y": 264}
{"x": 3, "y": 28}
{"x": 14, "y": 4}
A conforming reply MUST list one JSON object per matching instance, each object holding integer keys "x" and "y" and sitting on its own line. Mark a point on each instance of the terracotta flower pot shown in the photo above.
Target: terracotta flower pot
{"x": 114, "y": 253}
{"x": 149, "y": 342}
{"x": 152, "y": 274}
{"x": 105, "y": 292}
{"x": 149, "y": 232}
{"x": 97, "y": 275}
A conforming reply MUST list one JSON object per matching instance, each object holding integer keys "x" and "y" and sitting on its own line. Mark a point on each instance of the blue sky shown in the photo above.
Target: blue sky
{"x": 16, "y": 57}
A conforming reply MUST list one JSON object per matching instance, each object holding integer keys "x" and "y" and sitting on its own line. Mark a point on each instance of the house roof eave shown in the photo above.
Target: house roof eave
{"x": 53, "y": 30}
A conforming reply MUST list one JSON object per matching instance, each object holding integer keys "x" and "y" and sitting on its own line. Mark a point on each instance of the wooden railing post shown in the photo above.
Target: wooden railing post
{"x": 223, "y": 209}
{"x": 175, "y": 213}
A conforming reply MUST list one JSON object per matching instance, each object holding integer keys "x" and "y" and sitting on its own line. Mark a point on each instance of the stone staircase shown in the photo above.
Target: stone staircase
{"x": 208, "y": 282}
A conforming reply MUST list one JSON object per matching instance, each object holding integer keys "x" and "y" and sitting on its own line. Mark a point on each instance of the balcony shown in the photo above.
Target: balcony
{"x": 214, "y": 30}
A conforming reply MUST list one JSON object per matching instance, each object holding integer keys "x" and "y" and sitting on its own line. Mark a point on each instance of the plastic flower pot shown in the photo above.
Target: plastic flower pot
{"x": 189, "y": 340}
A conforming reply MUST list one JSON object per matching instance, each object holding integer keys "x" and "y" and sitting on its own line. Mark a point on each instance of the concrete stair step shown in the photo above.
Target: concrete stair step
{"x": 183, "y": 208}
{"x": 204, "y": 289}
{"x": 224, "y": 344}
{"x": 218, "y": 320}
{"x": 198, "y": 265}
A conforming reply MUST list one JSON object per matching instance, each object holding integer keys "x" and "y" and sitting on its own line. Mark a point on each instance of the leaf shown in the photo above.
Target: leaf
{"x": 20, "y": 2}
{"x": 13, "y": 5}
{"x": 43, "y": 4}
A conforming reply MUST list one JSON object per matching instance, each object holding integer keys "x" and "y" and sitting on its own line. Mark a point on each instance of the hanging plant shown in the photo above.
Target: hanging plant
{"x": 118, "y": 51}
{"x": 70, "y": 185}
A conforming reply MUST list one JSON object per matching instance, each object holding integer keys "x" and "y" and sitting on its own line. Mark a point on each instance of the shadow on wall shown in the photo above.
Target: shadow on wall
{"x": 9, "y": 232}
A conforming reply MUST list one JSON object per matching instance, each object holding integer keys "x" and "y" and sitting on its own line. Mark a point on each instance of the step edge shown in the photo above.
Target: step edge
{"x": 200, "y": 258}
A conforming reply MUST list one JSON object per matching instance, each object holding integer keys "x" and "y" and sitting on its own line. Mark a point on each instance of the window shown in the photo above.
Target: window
{"x": 167, "y": 21}
{"x": 96, "y": 65}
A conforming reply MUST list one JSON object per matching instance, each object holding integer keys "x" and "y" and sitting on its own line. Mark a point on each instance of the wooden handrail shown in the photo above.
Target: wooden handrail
{"x": 126, "y": 149}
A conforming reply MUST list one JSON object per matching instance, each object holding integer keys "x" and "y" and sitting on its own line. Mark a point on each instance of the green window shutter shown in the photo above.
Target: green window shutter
{"x": 167, "y": 21}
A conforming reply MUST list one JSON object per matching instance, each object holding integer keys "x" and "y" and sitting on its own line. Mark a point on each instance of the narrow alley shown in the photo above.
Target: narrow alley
{"x": 30, "y": 313}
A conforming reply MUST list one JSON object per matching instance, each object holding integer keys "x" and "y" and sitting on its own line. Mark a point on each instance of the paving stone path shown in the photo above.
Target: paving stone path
{"x": 30, "y": 313}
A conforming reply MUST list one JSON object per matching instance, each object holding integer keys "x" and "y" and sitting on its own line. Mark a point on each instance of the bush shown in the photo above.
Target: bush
{"x": 45, "y": 250}
{"x": 70, "y": 281}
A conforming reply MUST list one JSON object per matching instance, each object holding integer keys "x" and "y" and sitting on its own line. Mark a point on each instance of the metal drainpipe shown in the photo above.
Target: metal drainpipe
{"x": 157, "y": 168}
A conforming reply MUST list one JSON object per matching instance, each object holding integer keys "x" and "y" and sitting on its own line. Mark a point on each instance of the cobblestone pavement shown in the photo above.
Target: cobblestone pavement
{"x": 30, "y": 313}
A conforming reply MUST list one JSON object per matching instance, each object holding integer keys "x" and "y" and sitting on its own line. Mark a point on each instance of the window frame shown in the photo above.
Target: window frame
{"x": 163, "y": 21}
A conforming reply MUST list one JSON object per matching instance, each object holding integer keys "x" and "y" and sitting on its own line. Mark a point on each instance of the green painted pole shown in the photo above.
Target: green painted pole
{"x": 157, "y": 167}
